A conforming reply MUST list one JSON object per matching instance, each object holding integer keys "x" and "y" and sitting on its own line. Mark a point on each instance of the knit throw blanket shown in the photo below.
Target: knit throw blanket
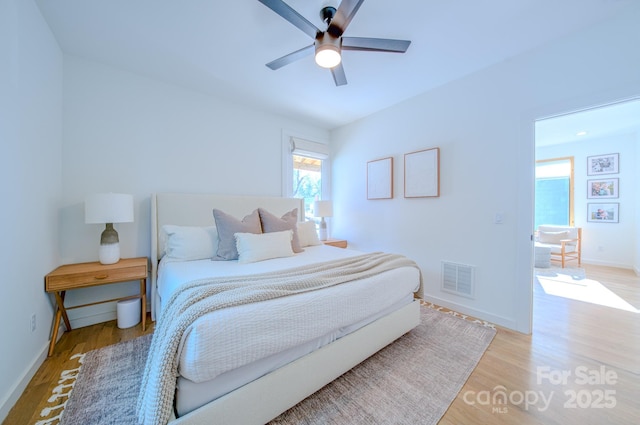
{"x": 155, "y": 402}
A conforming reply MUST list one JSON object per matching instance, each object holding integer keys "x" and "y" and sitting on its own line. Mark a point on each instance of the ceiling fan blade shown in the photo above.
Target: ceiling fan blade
{"x": 375, "y": 44}
{"x": 339, "y": 76}
{"x": 291, "y": 57}
{"x": 344, "y": 15}
{"x": 284, "y": 10}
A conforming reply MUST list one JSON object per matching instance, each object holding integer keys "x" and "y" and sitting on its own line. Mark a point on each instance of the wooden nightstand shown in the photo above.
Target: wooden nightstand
{"x": 85, "y": 275}
{"x": 340, "y": 243}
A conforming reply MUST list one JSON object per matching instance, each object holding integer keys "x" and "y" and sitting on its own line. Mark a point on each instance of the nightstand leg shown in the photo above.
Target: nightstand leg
{"x": 54, "y": 336}
{"x": 60, "y": 301}
{"x": 143, "y": 298}
{"x": 60, "y": 312}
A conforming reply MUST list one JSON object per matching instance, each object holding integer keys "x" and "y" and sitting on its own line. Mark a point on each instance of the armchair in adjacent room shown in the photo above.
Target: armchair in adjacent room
{"x": 565, "y": 242}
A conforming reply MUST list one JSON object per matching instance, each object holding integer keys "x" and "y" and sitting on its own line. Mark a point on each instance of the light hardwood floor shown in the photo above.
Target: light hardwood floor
{"x": 581, "y": 340}
{"x": 586, "y": 343}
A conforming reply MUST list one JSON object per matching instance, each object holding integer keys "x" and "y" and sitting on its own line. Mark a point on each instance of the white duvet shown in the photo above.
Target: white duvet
{"x": 231, "y": 338}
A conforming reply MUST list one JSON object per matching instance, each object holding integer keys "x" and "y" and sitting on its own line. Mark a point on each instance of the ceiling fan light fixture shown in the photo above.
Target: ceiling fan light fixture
{"x": 327, "y": 57}
{"x": 328, "y": 51}
{"x": 328, "y": 44}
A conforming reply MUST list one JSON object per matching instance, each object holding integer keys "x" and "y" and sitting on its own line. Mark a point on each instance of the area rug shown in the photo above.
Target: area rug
{"x": 411, "y": 381}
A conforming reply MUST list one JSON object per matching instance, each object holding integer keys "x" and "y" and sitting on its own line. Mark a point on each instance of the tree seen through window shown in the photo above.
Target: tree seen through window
{"x": 307, "y": 181}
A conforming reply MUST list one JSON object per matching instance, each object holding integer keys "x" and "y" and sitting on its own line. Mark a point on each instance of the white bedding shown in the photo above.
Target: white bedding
{"x": 227, "y": 348}
{"x": 234, "y": 337}
{"x": 173, "y": 273}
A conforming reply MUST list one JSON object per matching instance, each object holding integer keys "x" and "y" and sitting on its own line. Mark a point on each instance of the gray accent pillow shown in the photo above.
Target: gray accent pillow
{"x": 289, "y": 221}
{"x": 228, "y": 226}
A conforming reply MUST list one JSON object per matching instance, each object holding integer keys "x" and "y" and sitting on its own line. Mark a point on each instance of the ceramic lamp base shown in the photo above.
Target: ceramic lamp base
{"x": 109, "y": 253}
{"x": 323, "y": 230}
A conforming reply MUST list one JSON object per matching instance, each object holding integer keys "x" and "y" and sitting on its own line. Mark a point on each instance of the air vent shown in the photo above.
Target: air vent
{"x": 458, "y": 279}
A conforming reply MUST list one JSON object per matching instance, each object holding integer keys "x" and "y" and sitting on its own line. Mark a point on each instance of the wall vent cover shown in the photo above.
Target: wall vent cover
{"x": 458, "y": 279}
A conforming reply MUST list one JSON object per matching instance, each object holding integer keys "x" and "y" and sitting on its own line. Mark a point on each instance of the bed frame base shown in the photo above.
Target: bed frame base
{"x": 267, "y": 397}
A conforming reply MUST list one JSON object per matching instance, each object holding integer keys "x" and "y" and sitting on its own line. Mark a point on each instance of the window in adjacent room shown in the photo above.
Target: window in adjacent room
{"x": 306, "y": 171}
{"x": 554, "y": 192}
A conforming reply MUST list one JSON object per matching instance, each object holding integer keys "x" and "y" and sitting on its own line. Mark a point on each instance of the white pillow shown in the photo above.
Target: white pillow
{"x": 190, "y": 242}
{"x": 253, "y": 247}
{"x": 307, "y": 234}
{"x": 552, "y": 237}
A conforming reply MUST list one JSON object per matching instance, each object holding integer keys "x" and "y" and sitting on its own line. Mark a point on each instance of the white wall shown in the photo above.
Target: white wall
{"x": 636, "y": 218}
{"x": 127, "y": 133}
{"x": 483, "y": 125}
{"x": 610, "y": 244}
{"x": 30, "y": 177}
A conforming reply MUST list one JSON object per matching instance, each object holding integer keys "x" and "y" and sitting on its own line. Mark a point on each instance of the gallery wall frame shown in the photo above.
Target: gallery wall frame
{"x": 603, "y": 188}
{"x": 422, "y": 173}
{"x": 380, "y": 178}
{"x": 603, "y": 213}
{"x": 603, "y": 164}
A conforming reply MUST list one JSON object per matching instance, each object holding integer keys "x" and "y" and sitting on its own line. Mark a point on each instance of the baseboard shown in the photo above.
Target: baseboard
{"x": 88, "y": 320}
{"x": 83, "y": 321}
{"x": 478, "y": 314}
{"x": 19, "y": 387}
{"x": 596, "y": 262}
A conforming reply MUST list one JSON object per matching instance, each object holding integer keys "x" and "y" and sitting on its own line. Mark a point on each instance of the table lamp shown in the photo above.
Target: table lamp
{"x": 108, "y": 208}
{"x": 323, "y": 209}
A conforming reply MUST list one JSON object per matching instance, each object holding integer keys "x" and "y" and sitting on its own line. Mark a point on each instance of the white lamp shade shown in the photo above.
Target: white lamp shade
{"x": 323, "y": 208}
{"x": 108, "y": 208}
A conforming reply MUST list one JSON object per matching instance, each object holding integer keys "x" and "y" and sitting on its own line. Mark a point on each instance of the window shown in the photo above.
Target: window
{"x": 554, "y": 192}
{"x": 306, "y": 171}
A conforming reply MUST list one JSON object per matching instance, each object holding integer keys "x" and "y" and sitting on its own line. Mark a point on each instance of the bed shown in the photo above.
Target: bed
{"x": 346, "y": 323}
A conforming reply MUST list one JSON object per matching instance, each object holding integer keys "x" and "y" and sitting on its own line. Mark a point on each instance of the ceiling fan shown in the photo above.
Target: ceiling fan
{"x": 329, "y": 44}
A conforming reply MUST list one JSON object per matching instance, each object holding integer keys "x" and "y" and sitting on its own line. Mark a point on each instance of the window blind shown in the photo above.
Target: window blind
{"x": 310, "y": 149}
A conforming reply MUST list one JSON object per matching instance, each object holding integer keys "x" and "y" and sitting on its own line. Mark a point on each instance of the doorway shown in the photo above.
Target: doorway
{"x": 605, "y": 144}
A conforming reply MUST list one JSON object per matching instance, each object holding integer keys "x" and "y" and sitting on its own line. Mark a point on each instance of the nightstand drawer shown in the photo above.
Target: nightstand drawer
{"x": 94, "y": 277}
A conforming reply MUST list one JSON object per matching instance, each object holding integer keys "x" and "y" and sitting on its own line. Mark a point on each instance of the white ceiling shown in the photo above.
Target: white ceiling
{"x": 221, "y": 47}
{"x": 595, "y": 123}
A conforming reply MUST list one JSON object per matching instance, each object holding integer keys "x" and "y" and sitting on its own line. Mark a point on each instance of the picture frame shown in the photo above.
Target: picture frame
{"x": 603, "y": 188}
{"x": 422, "y": 174}
{"x": 380, "y": 178}
{"x": 603, "y": 213}
{"x": 603, "y": 164}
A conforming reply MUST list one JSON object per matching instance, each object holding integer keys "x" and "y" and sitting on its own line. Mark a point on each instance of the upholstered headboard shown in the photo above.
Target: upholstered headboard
{"x": 193, "y": 209}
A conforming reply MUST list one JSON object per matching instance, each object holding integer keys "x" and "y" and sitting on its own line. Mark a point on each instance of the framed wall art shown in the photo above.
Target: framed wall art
{"x": 603, "y": 164}
{"x": 422, "y": 173}
{"x": 602, "y": 188}
{"x": 603, "y": 213}
{"x": 380, "y": 179}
